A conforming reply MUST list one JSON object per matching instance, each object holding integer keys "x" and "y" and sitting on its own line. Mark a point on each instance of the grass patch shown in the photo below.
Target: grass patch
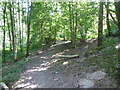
{"x": 106, "y": 58}
{"x": 12, "y": 72}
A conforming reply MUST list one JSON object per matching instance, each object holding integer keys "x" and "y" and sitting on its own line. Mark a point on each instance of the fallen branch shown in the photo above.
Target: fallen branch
{"x": 68, "y": 56}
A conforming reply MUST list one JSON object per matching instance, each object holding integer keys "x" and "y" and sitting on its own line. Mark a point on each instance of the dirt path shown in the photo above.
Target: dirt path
{"x": 46, "y": 71}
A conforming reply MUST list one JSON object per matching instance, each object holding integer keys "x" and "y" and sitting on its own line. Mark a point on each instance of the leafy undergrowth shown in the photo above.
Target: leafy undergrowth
{"x": 11, "y": 73}
{"x": 106, "y": 56}
{"x": 9, "y": 58}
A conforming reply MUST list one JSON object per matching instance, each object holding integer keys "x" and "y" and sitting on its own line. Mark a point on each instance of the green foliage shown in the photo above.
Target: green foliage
{"x": 107, "y": 56}
{"x": 108, "y": 42}
{"x": 36, "y": 45}
{"x": 11, "y": 73}
{"x": 52, "y": 20}
{"x": 114, "y": 28}
{"x": 10, "y": 56}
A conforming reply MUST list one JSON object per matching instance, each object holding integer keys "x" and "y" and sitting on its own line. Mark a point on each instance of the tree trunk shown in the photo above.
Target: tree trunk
{"x": 107, "y": 18}
{"x": 70, "y": 20}
{"x": 9, "y": 32}
{"x": 73, "y": 25}
{"x": 100, "y": 24}
{"x": 12, "y": 26}
{"x": 108, "y": 11}
{"x": 28, "y": 31}
{"x": 76, "y": 22}
{"x": 55, "y": 34}
{"x": 113, "y": 19}
{"x": 50, "y": 28}
{"x": 20, "y": 39}
{"x": 22, "y": 27}
{"x": 15, "y": 33}
{"x": 4, "y": 14}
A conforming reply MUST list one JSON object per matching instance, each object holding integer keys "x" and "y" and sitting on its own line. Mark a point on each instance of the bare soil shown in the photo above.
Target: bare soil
{"x": 44, "y": 70}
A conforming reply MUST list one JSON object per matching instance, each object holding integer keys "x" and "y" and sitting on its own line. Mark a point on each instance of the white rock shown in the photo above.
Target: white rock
{"x": 65, "y": 63}
{"x": 96, "y": 75}
{"x": 86, "y": 83}
{"x": 4, "y": 86}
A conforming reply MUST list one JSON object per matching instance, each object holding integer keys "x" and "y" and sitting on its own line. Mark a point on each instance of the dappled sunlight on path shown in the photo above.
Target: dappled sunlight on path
{"x": 46, "y": 70}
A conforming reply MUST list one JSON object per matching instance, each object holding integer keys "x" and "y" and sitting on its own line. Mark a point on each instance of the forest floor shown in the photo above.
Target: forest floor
{"x": 45, "y": 70}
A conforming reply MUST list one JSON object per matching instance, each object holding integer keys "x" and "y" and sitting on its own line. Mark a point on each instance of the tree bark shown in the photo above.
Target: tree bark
{"x": 55, "y": 34}
{"x": 76, "y": 22}
{"x": 9, "y": 32}
{"x": 111, "y": 16}
{"x": 15, "y": 33}
{"x": 100, "y": 24}
{"x": 22, "y": 27}
{"x": 28, "y": 31}
{"x": 113, "y": 19}
{"x": 107, "y": 18}
{"x": 4, "y": 14}
{"x": 70, "y": 21}
{"x": 20, "y": 39}
{"x": 12, "y": 26}
{"x": 73, "y": 25}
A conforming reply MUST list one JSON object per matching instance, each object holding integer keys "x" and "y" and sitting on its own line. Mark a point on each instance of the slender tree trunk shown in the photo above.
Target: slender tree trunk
{"x": 113, "y": 19}
{"x": 12, "y": 25}
{"x": 4, "y": 14}
{"x": 100, "y": 24}
{"x": 20, "y": 39}
{"x": 9, "y": 32}
{"x": 50, "y": 28}
{"x": 15, "y": 33}
{"x": 70, "y": 20}
{"x": 28, "y": 32}
{"x": 55, "y": 34}
{"x": 73, "y": 25}
{"x": 76, "y": 20}
{"x": 22, "y": 28}
{"x": 41, "y": 34}
{"x": 107, "y": 18}
{"x": 76, "y": 15}
{"x": 108, "y": 11}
